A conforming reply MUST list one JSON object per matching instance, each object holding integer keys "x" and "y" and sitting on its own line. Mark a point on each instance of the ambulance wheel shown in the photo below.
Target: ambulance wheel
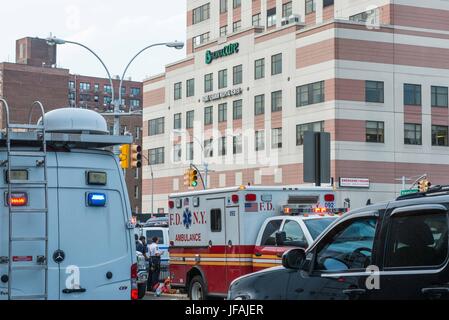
{"x": 197, "y": 289}
{"x": 142, "y": 290}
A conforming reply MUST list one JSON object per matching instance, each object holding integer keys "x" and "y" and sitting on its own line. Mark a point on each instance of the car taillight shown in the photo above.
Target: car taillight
{"x": 134, "y": 271}
{"x": 134, "y": 289}
{"x": 329, "y": 197}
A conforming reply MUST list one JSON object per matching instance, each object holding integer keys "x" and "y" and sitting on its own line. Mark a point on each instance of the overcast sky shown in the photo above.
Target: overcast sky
{"x": 115, "y": 29}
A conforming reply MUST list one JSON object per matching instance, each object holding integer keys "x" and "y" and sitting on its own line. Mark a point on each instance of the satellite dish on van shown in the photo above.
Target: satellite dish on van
{"x": 72, "y": 120}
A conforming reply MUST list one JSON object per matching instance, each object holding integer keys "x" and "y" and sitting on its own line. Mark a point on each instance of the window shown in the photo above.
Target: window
{"x": 209, "y": 82}
{"x": 259, "y": 104}
{"x": 276, "y": 101}
{"x": 374, "y": 91}
{"x": 135, "y": 91}
{"x": 310, "y": 6}
{"x": 327, "y": 3}
{"x": 439, "y": 136}
{"x": 138, "y": 131}
{"x": 417, "y": 239}
{"x": 236, "y": 3}
{"x": 72, "y": 85}
{"x": 349, "y": 247}
{"x": 276, "y": 138}
{"x": 107, "y": 100}
{"x": 375, "y": 131}
{"x": 189, "y": 151}
{"x": 96, "y": 87}
{"x": 236, "y": 26}
{"x": 294, "y": 235}
{"x": 201, "y": 13}
{"x": 84, "y": 86}
{"x": 190, "y": 115}
{"x": 222, "y": 146}
{"x": 237, "y": 144}
{"x": 222, "y": 112}
{"x": 310, "y": 94}
{"x": 260, "y": 140}
{"x": 190, "y": 87}
{"x": 178, "y": 90}
{"x": 276, "y": 64}
{"x": 302, "y": 128}
{"x": 177, "y": 118}
{"x": 271, "y": 17}
{"x": 177, "y": 153}
{"x": 156, "y": 126}
{"x": 134, "y": 103}
{"x": 201, "y": 39}
{"x": 215, "y": 220}
{"x": 237, "y": 109}
{"x": 107, "y": 88}
{"x": 136, "y": 192}
{"x": 439, "y": 96}
{"x": 123, "y": 90}
{"x": 269, "y": 234}
{"x": 371, "y": 16}
{"x": 136, "y": 173}
{"x": 412, "y": 134}
{"x": 412, "y": 94}
{"x": 287, "y": 10}
{"x": 259, "y": 69}
{"x": 156, "y": 156}
{"x": 223, "y": 6}
{"x": 150, "y": 234}
{"x": 208, "y": 148}
{"x": 237, "y": 72}
{"x": 256, "y": 20}
{"x": 208, "y": 116}
{"x": 223, "y": 31}
{"x": 222, "y": 79}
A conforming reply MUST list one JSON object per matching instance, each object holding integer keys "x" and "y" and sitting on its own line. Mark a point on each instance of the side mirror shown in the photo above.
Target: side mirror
{"x": 293, "y": 258}
{"x": 281, "y": 237}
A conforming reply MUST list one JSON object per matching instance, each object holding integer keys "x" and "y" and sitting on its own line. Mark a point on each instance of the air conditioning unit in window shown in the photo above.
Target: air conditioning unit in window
{"x": 294, "y": 18}
{"x": 284, "y": 21}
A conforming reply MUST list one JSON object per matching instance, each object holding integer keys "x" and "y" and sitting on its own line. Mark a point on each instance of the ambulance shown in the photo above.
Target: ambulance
{"x": 213, "y": 233}
{"x": 66, "y": 231}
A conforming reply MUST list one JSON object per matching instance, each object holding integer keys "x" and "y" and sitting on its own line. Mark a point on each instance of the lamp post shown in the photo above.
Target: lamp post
{"x": 116, "y": 102}
{"x": 152, "y": 183}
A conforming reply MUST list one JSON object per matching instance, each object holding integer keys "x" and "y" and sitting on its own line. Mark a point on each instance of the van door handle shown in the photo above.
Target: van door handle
{"x": 69, "y": 291}
{"x": 258, "y": 254}
{"x": 354, "y": 292}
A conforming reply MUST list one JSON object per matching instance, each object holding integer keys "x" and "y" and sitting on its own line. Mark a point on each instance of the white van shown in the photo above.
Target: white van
{"x": 65, "y": 230}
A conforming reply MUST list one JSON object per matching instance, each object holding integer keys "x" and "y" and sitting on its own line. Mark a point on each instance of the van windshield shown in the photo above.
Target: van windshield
{"x": 317, "y": 226}
{"x": 155, "y": 233}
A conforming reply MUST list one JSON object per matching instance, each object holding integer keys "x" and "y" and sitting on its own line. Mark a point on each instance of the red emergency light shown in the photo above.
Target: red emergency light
{"x": 235, "y": 198}
{"x": 171, "y": 204}
{"x": 329, "y": 197}
{"x": 18, "y": 199}
{"x": 250, "y": 197}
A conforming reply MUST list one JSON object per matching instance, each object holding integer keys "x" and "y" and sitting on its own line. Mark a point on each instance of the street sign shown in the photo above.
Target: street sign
{"x": 411, "y": 191}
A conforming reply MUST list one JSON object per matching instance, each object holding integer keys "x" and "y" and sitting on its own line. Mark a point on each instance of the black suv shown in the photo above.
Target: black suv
{"x": 394, "y": 250}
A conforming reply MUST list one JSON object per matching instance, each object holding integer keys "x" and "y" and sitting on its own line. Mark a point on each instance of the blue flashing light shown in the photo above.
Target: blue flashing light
{"x": 96, "y": 199}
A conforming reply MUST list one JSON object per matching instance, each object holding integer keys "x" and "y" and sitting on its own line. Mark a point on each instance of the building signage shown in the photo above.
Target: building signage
{"x": 226, "y": 51}
{"x": 354, "y": 182}
{"x": 223, "y": 94}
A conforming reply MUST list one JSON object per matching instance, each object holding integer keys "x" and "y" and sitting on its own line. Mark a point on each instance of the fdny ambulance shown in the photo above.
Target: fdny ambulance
{"x": 214, "y": 232}
{"x": 65, "y": 219}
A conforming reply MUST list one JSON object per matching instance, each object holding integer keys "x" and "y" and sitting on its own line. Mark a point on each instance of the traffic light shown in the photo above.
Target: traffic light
{"x": 124, "y": 156}
{"x": 136, "y": 156}
{"x": 424, "y": 185}
{"x": 193, "y": 178}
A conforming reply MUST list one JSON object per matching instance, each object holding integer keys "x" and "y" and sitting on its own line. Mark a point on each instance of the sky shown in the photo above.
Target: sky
{"x": 115, "y": 29}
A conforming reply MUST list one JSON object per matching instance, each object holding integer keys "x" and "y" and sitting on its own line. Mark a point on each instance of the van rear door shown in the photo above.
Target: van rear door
{"x": 94, "y": 240}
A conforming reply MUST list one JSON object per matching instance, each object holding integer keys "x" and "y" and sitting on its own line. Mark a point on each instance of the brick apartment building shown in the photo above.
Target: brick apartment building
{"x": 372, "y": 73}
{"x": 35, "y": 76}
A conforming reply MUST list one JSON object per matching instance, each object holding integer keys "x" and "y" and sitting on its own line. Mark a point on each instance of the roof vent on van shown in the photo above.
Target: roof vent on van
{"x": 72, "y": 120}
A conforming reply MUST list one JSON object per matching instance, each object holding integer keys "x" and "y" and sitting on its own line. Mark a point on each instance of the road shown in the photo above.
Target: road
{"x": 151, "y": 296}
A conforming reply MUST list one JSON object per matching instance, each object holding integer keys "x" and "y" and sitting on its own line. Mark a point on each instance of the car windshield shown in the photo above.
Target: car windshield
{"x": 317, "y": 226}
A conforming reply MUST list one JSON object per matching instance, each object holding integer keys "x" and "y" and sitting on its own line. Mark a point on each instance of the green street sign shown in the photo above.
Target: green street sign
{"x": 226, "y": 51}
{"x": 411, "y": 191}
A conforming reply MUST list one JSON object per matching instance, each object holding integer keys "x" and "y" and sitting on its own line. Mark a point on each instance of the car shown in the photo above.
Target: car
{"x": 396, "y": 250}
